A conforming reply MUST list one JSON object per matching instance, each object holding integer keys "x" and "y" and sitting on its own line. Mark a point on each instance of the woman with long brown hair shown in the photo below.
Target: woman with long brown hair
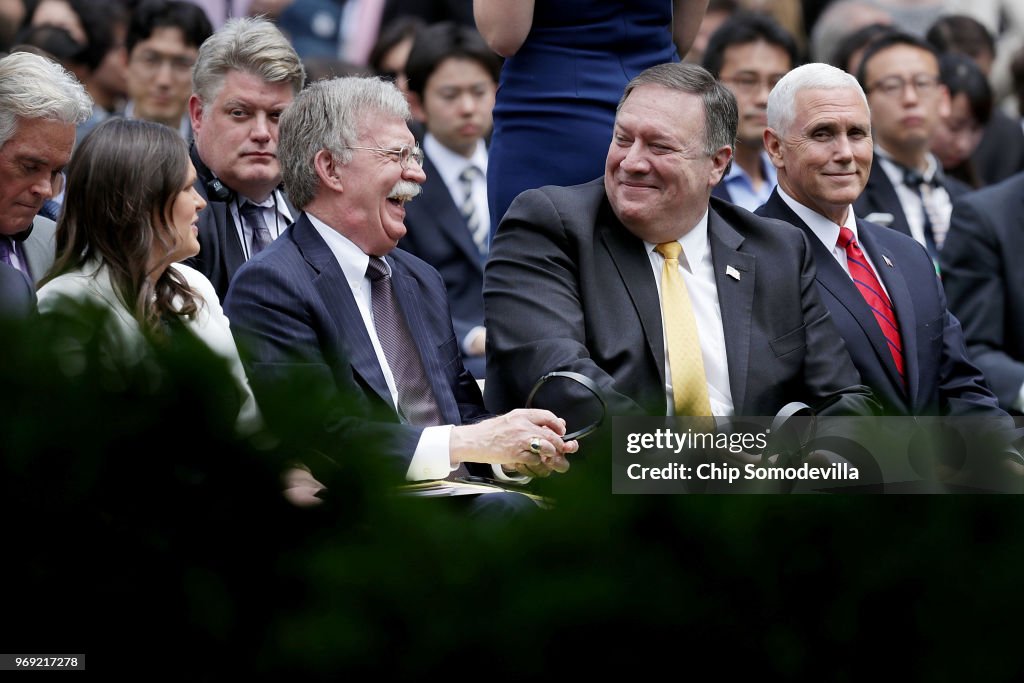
{"x": 130, "y": 215}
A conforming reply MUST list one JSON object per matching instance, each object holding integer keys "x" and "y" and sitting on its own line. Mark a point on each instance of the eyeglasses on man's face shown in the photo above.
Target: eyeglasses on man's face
{"x": 403, "y": 155}
{"x": 893, "y": 86}
{"x": 151, "y": 62}
{"x": 748, "y": 83}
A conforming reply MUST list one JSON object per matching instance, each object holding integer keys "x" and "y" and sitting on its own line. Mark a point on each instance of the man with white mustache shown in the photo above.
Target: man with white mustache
{"x": 334, "y": 300}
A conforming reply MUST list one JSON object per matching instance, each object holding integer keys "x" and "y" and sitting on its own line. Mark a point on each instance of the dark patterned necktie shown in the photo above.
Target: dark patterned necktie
{"x": 416, "y": 402}
{"x": 252, "y": 214}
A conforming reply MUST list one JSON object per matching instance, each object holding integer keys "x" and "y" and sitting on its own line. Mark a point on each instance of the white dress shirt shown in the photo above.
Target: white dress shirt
{"x": 698, "y": 273}
{"x": 913, "y": 208}
{"x": 828, "y": 233}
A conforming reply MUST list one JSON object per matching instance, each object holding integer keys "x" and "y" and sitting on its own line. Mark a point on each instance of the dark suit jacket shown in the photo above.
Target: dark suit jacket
{"x": 722, "y": 192}
{"x": 17, "y": 298}
{"x": 985, "y": 282}
{"x": 220, "y": 251}
{"x": 879, "y": 196}
{"x": 292, "y": 308}
{"x": 567, "y": 287}
{"x": 438, "y": 235}
{"x": 1000, "y": 154}
{"x": 942, "y": 381}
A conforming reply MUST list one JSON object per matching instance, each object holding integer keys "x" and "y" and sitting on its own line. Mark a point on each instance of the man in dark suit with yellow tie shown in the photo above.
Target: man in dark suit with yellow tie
{"x": 669, "y": 304}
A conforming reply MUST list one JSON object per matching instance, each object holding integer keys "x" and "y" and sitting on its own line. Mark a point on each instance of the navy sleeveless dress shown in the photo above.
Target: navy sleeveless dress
{"x": 555, "y": 107}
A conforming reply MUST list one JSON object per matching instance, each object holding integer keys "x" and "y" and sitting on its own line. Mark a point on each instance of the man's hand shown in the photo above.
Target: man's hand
{"x": 300, "y": 487}
{"x": 527, "y": 441}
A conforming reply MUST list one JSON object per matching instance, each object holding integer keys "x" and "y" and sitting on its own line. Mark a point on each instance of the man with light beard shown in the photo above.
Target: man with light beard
{"x": 334, "y": 300}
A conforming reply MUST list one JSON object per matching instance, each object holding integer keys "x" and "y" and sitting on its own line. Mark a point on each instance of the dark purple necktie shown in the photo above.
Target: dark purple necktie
{"x": 416, "y": 402}
{"x": 7, "y": 248}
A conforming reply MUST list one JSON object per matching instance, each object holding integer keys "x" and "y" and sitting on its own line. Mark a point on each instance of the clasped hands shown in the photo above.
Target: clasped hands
{"x": 526, "y": 441}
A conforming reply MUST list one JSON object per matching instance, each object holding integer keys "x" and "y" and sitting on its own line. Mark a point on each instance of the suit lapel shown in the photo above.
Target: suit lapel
{"x": 334, "y": 291}
{"x": 634, "y": 265}
{"x": 441, "y": 209}
{"x": 899, "y": 295}
{"x": 736, "y": 299}
{"x": 837, "y": 282}
{"x": 882, "y": 195}
{"x": 234, "y": 253}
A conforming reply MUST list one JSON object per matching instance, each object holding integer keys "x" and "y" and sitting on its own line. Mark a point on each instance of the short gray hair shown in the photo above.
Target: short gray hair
{"x": 33, "y": 87}
{"x": 252, "y": 45}
{"x": 816, "y": 76}
{"x": 720, "y": 113}
{"x": 330, "y": 115}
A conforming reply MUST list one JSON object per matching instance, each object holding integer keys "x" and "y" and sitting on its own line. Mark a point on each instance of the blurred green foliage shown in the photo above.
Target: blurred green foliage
{"x": 137, "y": 529}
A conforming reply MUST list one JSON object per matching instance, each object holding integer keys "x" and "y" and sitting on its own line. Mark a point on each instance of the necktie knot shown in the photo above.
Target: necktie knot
{"x": 914, "y": 179}
{"x": 670, "y": 250}
{"x": 846, "y": 238}
{"x": 252, "y": 215}
{"x": 376, "y": 269}
{"x": 468, "y": 175}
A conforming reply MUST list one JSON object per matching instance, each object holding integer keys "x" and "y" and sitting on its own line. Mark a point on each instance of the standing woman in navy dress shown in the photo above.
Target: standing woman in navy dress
{"x": 567, "y": 63}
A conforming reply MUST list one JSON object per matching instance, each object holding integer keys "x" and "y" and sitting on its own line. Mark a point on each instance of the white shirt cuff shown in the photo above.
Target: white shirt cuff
{"x": 432, "y": 459}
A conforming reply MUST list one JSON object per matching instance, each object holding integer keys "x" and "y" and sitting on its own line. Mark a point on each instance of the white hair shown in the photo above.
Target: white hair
{"x": 328, "y": 115}
{"x": 816, "y": 76}
{"x": 33, "y": 87}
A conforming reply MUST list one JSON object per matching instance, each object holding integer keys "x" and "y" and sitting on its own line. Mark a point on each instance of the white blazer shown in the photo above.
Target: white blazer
{"x": 93, "y": 283}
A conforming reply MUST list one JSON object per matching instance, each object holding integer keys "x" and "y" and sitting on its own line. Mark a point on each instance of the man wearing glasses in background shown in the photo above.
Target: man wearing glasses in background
{"x": 163, "y": 41}
{"x": 906, "y": 190}
{"x": 335, "y": 301}
{"x": 749, "y": 54}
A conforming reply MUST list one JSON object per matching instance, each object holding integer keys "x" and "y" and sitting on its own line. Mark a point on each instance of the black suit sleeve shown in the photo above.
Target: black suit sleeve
{"x": 277, "y": 325}
{"x": 534, "y": 311}
{"x": 973, "y": 274}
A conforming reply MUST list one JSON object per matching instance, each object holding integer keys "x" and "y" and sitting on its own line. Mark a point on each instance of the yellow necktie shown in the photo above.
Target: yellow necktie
{"x": 689, "y": 384}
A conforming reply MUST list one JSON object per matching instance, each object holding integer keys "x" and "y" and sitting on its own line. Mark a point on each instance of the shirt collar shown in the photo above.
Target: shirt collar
{"x": 895, "y": 170}
{"x": 823, "y": 228}
{"x": 350, "y": 257}
{"x": 767, "y": 170}
{"x": 694, "y": 244}
{"x": 449, "y": 164}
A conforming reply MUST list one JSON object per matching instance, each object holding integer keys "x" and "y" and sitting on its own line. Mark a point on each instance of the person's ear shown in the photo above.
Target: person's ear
{"x": 720, "y": 161}
{"x": 328, "y": 170}
{"x": 195, "y": 112}
{"x": 773, "y": 146}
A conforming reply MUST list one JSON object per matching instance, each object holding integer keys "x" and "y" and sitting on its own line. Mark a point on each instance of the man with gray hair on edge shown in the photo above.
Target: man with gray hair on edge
{"x": 40, "y": 105}
{"x": 334, "y": 300}
{"x": 245, "y": 76}
{"x": 879, "y": 284}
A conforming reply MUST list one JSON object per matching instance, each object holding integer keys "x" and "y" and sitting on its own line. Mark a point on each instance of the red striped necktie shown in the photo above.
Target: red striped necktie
{"x": 871, "y": 289}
